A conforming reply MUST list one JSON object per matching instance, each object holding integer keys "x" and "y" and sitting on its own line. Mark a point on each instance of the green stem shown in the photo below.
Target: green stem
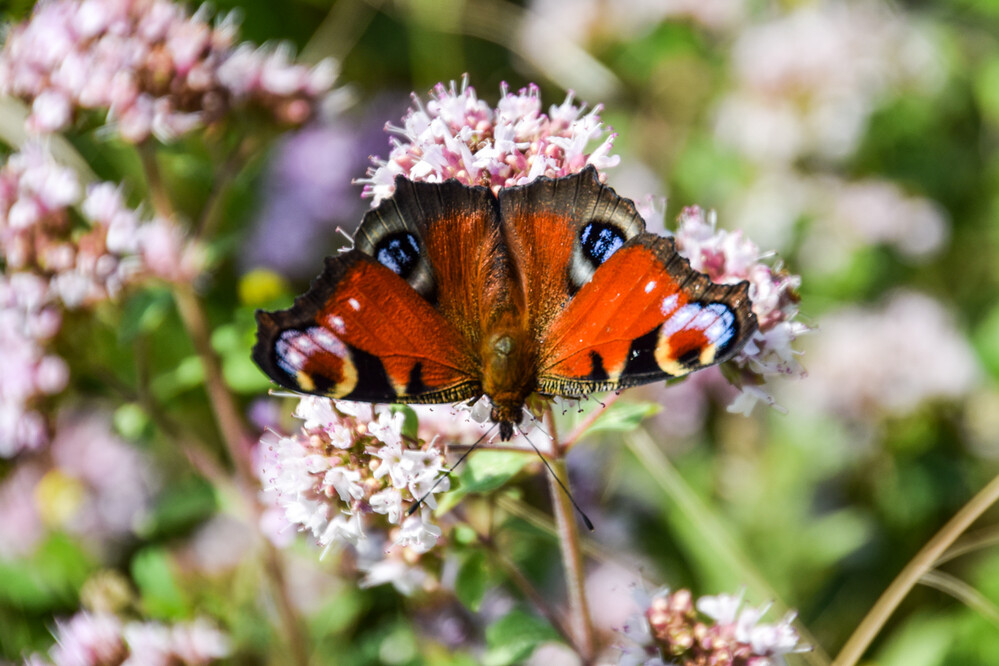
{"x": 924, "y": 560}
{"x": 572, "y": 551}
{"x": 519, "y": 580}
{"x": 228, "y": 419}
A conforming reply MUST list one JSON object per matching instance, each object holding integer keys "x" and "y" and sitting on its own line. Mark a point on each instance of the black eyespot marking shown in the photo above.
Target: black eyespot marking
{"x": 600, "y": 240}
{"x": 399, "y": 252}
{"x": 597, "y": 371}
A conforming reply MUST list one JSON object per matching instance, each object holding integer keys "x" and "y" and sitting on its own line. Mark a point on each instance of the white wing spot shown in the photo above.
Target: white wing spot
{"x": 650, "y": 286}
{"x": 328, "y": 341}
{"x": 354, "y": 304}
{"x": 336, "y": 323}
{"x": 669, "y": 304}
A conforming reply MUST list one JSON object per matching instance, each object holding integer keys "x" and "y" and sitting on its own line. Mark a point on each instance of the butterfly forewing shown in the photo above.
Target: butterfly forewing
{"x": 558, "y": 231}
{"x": 444, "y": 240}
{"x": 362, "y": 333}
{"x": 644, "y": 316}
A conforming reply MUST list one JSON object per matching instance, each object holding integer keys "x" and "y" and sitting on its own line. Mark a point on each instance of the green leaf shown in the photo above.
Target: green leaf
{"x": 411, "y": 422}
{"x": 50, "y": 577}
{"x": 485, "y": 471}
{"x": 143, "y": 312}
{"x": 130, "y": 420}
{"x": 472, "y": 580}
{"x": 180, "y": 506}
{"x": 623, "y": 417}
{"x": 188, "y": 374}
{"x": 161, "y": 596}
{"x": 242, "y": 375}
{"x": 512, "y": 638}
{"x": 226, "y": 339}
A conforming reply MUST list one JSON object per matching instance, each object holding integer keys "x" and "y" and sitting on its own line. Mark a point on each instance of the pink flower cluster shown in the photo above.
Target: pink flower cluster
{"x": 40, "y": 232}
{"x": 102, "y": 639}
{"x": 56, "y": 256}
{"x": 713, "y": 631}
{"x": 349, "y": 463}
{"x": 28, "y": 320}
{"x": 729, "y": 257}
{"x": 457, "y": 135}
{"x": 153, "y": 67}
{"x": 91, "y": 484}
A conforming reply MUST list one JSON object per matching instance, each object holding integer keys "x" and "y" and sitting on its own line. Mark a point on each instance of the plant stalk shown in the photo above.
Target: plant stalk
{"x": 924, "y": 560}
{"x": 572, "y": 552}
{"x": 228, "y": 418}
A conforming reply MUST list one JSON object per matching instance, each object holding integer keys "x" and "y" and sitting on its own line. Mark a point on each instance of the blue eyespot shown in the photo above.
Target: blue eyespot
{"x": 400, "y": 253}
{"x": 600, "y": 241}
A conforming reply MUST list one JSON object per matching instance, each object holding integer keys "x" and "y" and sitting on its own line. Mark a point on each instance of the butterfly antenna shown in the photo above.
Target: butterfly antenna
{"x": 447, "y": 473}
{"x": 586, "y": 520}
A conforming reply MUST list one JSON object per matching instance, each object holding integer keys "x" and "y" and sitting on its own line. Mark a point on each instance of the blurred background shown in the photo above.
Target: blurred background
{"x": 856, "y": 139}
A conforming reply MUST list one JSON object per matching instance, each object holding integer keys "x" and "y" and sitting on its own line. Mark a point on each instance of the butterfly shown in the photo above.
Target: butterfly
{"x": 453, "y": 292}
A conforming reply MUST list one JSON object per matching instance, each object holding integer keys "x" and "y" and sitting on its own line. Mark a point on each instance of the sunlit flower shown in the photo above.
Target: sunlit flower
{"x": 347, "y": 473}
{"x": 154, "y": 68}
{"x": 28, "y": 320}
{"x": 676, "y": 629}
{"x": 729, "y": 257}
{"x": 64, "y": 246}
{"x": 457, "y": 135}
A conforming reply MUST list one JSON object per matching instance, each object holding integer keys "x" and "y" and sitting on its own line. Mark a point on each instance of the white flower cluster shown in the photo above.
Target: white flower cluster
{"x": 102, "y": 639}
{"x": 729, "y": 257}
{"x": 348, "y": 463}
{"x": 456, "y": 135}
{"x": 153, "y": 67}
{"x": 674, "y": 629}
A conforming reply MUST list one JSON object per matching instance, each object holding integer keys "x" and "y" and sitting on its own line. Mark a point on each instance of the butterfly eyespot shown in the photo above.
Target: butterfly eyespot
{"x": 695, "y": 335}
{"x": 299, "y": 353}
{"x": 599, "y": 241}
{"x": 399, "y": 252}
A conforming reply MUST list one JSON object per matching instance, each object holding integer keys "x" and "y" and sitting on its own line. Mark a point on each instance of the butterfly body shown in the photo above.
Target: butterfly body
{"x": 452, "y": 292}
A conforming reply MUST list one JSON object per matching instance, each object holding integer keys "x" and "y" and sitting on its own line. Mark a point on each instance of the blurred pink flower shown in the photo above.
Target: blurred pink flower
{"x": 675, "y": 629}
{"x": 153, "y": 67}
{"x": 457, "y": 135}
{"x": 28, "y": 320}
{"x": 102, "y": 639}
{"x": 117, "y": 479}
{"x": 21, "y": 527}
{"x": 51, "y": 261}
{"x": 807, "y": 81}
{"x": 887, "y": 360}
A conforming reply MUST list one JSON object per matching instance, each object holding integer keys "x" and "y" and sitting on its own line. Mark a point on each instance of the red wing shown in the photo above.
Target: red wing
{"x": 362, "y": 333}
{"x": 559, "y": 231}
{"x": 444, "y": 240}
{"x": 644, "y": 316}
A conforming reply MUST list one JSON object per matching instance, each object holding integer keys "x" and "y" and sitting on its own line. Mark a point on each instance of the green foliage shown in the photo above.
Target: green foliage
{"x": 514, "y": 637}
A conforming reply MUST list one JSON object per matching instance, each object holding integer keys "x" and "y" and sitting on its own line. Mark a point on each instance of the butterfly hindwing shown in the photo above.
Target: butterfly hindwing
{"x": 644, "y": 316}
{"x": 363, "y": 333}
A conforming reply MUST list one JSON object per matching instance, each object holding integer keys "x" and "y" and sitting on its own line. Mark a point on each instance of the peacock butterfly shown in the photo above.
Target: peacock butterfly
{"x": 453, "y": 292}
